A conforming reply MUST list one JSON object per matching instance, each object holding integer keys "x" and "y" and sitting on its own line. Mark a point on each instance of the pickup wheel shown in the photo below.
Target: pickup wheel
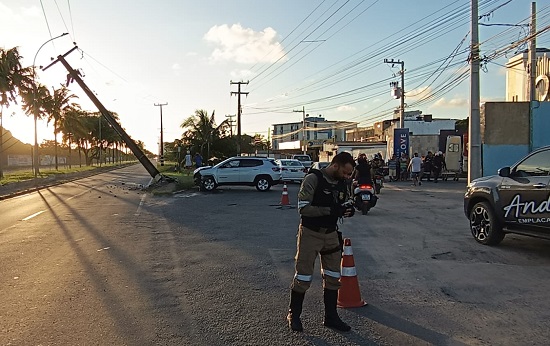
{"x": 262, "y": 183}
{"x": 208, "y": 184}
{"x": 484, "y": 225}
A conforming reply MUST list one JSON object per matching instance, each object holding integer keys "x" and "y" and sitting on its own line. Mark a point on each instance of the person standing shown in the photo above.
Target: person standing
{"x": 415, "y": 167}
{"x": 403, "y": 164}
{"x": 392, "y": 168}
{"x": 188, "y": 163}
{"x": 198, "y": 160}
{"x": 428, "y": 166}
{"x": 437, "y": 165}
{"x": 321, "y": 203}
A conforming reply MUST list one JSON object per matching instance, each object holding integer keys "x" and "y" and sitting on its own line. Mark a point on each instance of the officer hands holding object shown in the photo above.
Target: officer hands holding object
{"x": 323, "y": 199}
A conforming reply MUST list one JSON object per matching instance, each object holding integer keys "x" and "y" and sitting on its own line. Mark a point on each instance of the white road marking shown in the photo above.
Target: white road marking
{"x": 33, "y": 215}
{"x": 138, "y": 211}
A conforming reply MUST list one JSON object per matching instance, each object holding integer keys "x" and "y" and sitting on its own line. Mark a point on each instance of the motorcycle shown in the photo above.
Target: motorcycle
{"x": 378, "y": 180}
{"x": 364, "y": 197}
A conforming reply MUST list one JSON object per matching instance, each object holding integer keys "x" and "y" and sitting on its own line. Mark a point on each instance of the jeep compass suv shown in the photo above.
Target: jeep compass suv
{"x": 260, "y": 172}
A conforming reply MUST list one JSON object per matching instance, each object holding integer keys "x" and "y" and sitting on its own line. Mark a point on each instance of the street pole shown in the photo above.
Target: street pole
{"x": 304, "y": 140}
{"x": 99, "y": 142}
{"x": 533, "y": 53}
{"x": 239, "y": 110}
{"x": 36, "y": 110}
{"x": 474, "y": 135}
{"x": 161, "y": 133}
{"x": 402, "y": 107}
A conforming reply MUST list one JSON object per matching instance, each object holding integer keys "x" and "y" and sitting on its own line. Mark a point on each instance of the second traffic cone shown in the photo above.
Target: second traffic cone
{"x": 284, "y": 196}
{"x": 349, "y": 295}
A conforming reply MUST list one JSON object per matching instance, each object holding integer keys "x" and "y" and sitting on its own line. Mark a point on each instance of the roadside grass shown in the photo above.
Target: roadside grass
{"x": 45, "y": 172}
{"x": 184, "y": 179}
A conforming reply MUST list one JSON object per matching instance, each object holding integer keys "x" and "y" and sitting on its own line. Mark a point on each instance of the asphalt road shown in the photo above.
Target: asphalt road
{"x": 106, "y": 264}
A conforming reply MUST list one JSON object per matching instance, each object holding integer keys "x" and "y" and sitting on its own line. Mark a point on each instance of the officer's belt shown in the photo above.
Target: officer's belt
{"x": 324, "y": 230}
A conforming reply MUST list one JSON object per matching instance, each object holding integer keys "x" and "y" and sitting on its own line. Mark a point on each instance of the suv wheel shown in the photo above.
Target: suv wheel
{"x": 262, "y": 183}
{"x": 208, "y": 184}
{"x": 484, "y": 225}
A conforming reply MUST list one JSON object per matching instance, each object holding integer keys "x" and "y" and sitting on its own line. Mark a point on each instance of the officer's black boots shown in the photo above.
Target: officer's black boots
{"x": 294, "y": 311}
{"x": 332, "y": 320}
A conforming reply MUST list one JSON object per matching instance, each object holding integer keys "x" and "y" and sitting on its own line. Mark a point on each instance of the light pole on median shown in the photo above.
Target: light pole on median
{"x": 36, "y": 155}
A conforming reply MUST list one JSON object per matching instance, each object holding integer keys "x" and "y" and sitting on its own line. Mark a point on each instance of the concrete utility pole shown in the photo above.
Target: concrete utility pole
{"x": 161, "y": 133}
{"x": 303, "y": 111}
{"x": 230, "y": 122}
{"x": 75, "y": 76}
{"x": 533, "y": 54}
{"x": 239, "y": 111}
{"x": 402, "y": 72}
{"x": 474, "y": 133}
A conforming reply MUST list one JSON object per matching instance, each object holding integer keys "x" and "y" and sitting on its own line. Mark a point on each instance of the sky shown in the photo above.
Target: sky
{"x": 325, "y": 56}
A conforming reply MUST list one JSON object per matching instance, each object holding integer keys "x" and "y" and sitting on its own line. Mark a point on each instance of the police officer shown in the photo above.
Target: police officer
{"x": 321, "y": 202}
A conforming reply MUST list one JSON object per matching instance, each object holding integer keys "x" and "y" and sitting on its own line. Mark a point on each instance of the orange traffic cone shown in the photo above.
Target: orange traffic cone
{"x": 284, "y": 196}
{"x": 349, "y": 295}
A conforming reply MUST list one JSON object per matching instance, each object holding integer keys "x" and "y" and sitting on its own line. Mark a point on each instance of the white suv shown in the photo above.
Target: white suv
{"x": 260, "y": 172}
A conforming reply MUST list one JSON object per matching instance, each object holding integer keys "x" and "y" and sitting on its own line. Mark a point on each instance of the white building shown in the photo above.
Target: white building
{"x": 293, "y": 136}
{"x": 517, "y": 79}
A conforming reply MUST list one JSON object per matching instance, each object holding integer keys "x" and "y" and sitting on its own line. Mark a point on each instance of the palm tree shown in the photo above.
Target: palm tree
{"x": 13, "y": 76}
{"x": 201, "y": 130}
{"x": 57, "y": 107}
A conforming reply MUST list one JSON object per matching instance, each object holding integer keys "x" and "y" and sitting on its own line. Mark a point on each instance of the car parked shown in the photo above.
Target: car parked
{"x": 304, "y": 159}
{"x": 260, "y": 172}
{"x": 517, "y": 200}
{"x": 292, "y": 170}
{"x": 320, "y": 165}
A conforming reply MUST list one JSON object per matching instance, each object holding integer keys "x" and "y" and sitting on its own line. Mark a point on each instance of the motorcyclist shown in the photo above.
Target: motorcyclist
{"x": 362, "y": 172}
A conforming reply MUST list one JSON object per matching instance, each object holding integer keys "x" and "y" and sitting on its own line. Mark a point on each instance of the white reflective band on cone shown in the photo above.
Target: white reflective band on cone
{"x": 349, "y": 271}
{"x": 303, "y": 277}
{"x": 348, "y": 251}
{"x": 331, "y": 273}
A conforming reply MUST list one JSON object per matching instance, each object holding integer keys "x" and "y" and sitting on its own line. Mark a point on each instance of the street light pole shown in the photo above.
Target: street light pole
{"x": 161, "y": 133}
{"x": 36, "y": 156}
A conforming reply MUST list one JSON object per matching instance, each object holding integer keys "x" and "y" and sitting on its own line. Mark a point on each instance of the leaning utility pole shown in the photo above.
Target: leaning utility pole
{"x": 402, "y": 72}
{"x": 239, "y": 111}
{"x": 161, "y": 138}
{"x": 303, "y": 111}
{"x": 474, "y": 133}
{"x": 75, "y": 76}
{"x": 533, "y": 54}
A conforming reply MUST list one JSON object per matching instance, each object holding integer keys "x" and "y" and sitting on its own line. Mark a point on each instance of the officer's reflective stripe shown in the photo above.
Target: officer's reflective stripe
{"x": 302, "y": 204}
{"x": 348, "y": 251}
{"x": 302, "y": 277}
{"x": 331, "y": 273}
{"x": 349, "y": 271}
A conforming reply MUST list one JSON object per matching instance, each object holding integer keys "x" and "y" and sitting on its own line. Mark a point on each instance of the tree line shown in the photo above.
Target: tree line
{"x": 90, "y": 133}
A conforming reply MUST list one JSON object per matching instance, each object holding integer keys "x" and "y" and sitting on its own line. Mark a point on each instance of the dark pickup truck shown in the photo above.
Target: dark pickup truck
{"x": 517, "y": 200}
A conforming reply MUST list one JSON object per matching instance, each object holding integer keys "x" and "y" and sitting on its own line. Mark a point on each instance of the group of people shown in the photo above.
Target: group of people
{"x": 188, "y": 164}
{"x": 417, "y": 168}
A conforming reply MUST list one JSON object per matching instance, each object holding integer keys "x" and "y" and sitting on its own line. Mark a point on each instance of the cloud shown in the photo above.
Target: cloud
{"x": 242, "y": 74}
{"x": 176, "y": 66}
{"x": 243, "y": 45}
{"x": 418, "y": 93}
{"x": 451, "y": 103}
{"x": 345, "y": 109}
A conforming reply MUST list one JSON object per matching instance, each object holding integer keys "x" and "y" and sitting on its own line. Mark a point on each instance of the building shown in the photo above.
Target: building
{"x": 517, "y": 79}
{"x": 294, "y": 137}
{"x": 360, "y": 134}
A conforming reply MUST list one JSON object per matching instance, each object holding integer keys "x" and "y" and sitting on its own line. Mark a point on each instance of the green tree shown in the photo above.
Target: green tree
{"x": 57, "y": 106}
{"x": 13, "y": 77}
{"x": 202, "y": 133}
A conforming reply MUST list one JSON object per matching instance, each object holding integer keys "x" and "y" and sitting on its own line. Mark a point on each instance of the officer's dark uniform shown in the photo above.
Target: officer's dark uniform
{"x": 320, "y": 204}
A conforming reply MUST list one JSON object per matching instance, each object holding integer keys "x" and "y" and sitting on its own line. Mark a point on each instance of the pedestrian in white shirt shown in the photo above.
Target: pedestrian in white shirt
{"x": 415, "y": 167}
